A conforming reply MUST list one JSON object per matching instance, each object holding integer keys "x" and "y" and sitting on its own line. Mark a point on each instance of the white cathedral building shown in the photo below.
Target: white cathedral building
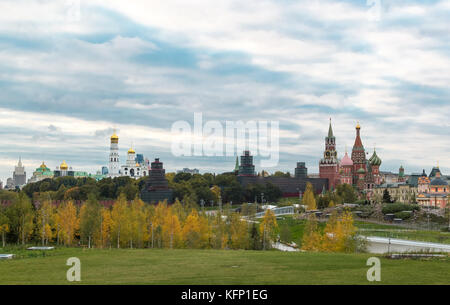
{"x": 132, "y": 168}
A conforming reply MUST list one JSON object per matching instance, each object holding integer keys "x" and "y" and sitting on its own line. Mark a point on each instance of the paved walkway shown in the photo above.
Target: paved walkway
{"x": 388, "y": 245}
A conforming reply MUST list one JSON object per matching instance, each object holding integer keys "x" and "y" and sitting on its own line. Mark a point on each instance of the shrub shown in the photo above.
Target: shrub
{"x": 392, "y": 208}
{"x": 403, "y": 215}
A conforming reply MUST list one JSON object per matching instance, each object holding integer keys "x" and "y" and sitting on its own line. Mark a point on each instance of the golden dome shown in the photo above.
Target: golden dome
{"x": 138, "y": 165}
{"x": 131, "y": 151}
{"x": 63, "y": 166}
{"x": 43, "y": 165}
{"x": 114, "y": 138}
{"x": 358, "y": 126}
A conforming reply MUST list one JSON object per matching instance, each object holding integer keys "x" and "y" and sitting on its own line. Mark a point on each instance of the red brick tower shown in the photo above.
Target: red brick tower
{"x": 328, "y": 166}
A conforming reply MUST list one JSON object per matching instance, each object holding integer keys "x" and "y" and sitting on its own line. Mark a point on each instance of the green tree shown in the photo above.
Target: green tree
{"x": 21, "y": 215}
{"x": 386, "y": 196}
{"x": 90, "y": 219}
{"x": 347, "y": 193}
{"x": 4, "y": 224}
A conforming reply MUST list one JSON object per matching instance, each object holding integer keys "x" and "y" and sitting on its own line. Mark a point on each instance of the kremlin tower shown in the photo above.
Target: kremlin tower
{"x": 113, "y": 166}
{"x": 328, "y": 166}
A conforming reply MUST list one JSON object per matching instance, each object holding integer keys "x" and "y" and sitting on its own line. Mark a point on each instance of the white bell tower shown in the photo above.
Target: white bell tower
{"x": 113, "y": 167}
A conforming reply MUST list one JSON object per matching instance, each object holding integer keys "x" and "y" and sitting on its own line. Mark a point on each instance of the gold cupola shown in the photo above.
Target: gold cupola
{"x": 64, "y": 166}
{"x": 114, "y": 138}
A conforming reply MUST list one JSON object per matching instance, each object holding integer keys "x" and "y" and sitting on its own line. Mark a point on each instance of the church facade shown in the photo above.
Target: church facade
{"x": 356, "y": 170}
{"x": 135, "y": 166}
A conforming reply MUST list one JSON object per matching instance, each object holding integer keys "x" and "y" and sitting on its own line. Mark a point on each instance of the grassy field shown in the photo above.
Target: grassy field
{"x": 373, "y": 229}
{"x": 205, "y": 267}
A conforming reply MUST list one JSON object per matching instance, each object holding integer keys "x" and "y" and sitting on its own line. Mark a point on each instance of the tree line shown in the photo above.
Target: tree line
{"x": 130, "y": 224}
{"x": 187, "y": 187}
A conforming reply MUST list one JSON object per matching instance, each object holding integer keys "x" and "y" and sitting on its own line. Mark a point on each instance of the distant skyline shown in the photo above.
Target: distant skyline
{"x": 72, "y": 71}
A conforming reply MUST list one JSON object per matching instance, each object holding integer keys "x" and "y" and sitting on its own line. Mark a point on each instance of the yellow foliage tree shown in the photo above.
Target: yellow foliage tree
{"x": 268, "y": 228}
{"x": 191, "y": 231}
{"x": 67, "y": 222}
{"x": 216, "y": 191}
{"x": 105, "y": 228}
{"x": 172, "y": 230}
{"x": 238, "y": 232}
{"x": 137, "y": 223}
{"x": 309, "y": 199}
{"x": 312, "y": 239}
{"x": 119, "y": 221}
{"x": 332, "y": 235}
{"x": 45, "y": 222}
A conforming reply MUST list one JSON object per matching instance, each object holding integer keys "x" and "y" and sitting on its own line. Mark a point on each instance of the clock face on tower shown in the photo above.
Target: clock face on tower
{"x": 327, "y": 153}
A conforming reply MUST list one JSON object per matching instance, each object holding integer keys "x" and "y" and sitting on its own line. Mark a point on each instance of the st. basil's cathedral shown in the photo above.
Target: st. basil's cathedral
{"x": 357, "y": 170}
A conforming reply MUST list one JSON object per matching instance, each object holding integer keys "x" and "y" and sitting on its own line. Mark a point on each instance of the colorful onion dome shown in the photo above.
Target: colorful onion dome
{"x": 361, "y": 171}
{"x": 375, "y": 160}
{"x": 346, "y": 161}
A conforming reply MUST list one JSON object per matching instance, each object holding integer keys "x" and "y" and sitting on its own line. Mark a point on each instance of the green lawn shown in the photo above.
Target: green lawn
{"x": 204, "y": 267}
{"x": 373, "y": 229}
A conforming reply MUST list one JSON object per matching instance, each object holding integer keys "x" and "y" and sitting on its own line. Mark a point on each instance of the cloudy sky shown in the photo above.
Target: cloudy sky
{"x": 72, "y": 71}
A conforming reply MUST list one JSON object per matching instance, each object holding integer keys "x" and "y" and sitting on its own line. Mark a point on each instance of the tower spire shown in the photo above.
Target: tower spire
{"x": 330, "y": 131}
{"x": 358, "y": 142}
{"x": 236, "y": 167}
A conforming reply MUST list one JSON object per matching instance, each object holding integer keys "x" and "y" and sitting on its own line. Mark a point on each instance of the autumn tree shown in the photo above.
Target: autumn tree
{"x": 90, "y": 219}
{"x": 105, "y": 228}
{"x": 45, "y": 222}
{"x": 4, "y": 224}
{"x": 21, "y": 215}
{"x": 312, "y": 237}
{"x": 268, "y": 228}
{"x": 219, "y": 232}
{"x": 172, "y": 230}
{"x": 332, "y": 235}
{"x": 137, "y": 223}
{"x": 119, "y": 221}
{"x": 216, "y": 192}
{"x": 238, "y": 232}
{"x": 68, "y": 222}
{"x": 309, "y": 199}
{"x": 331, "y": 204}
{"x": 191, "y": 230}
